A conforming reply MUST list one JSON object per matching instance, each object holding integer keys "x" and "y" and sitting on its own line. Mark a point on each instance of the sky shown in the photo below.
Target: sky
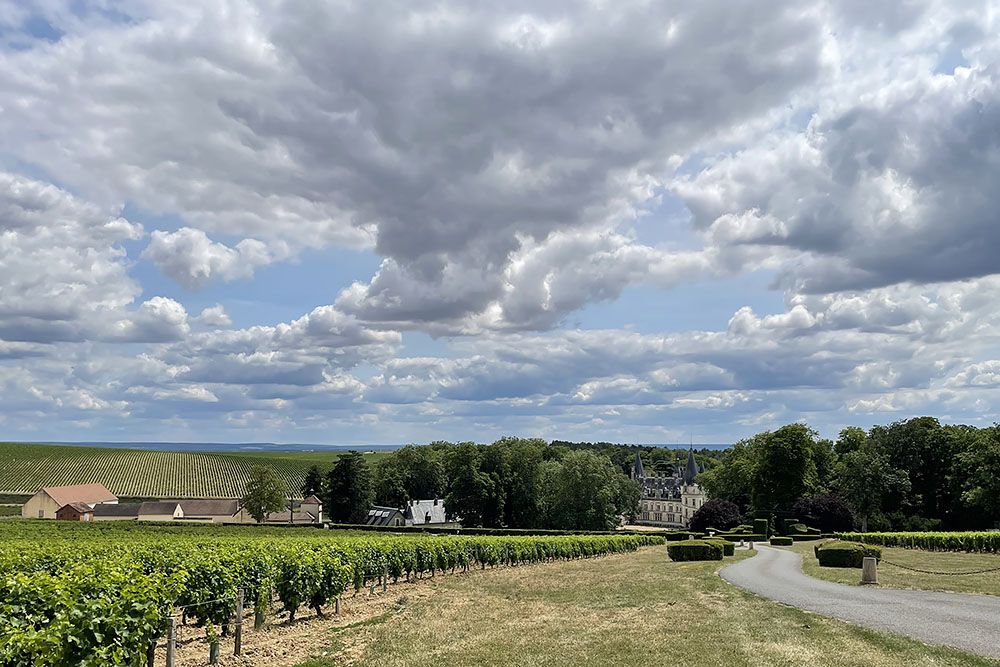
{"x": 376, "y": 223}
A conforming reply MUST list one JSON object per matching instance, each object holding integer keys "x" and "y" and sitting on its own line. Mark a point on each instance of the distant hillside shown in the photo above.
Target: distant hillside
{"x": 24, "y": 468}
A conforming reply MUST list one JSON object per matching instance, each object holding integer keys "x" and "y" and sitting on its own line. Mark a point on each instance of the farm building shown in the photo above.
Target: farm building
{"x": 385, "y": 516}
{"x": 428, "y": 513}
{"x": 117, "y": 512}
{"x": 48, "y": 500}
{"x": 221, "y": 510}
{"x": 75, "y": 512}
{"x": 160, "y": 510}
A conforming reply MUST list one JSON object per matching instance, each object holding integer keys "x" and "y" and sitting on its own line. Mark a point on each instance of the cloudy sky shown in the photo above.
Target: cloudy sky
{"x": 356, "y": 222}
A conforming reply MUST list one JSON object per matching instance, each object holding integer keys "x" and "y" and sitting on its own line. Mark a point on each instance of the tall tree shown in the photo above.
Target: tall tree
{"x": 349, "y": 489}
{"x": 472, "y": 494}
{"x": 981, "y": 482}
{"x": 851, "y": 439}
{"x": 265, "y": 493}
{"x": 785, "y": 469}
{"x": 312, "y": 485}
{"x": 586, "y": 491}
{"x": 866, "y": 480}
{"x": 732, "y": 480}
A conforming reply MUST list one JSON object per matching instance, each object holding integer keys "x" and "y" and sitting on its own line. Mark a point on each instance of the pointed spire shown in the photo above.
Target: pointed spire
{"x": 638, "y": 472}
{"x": 692, "y": 468}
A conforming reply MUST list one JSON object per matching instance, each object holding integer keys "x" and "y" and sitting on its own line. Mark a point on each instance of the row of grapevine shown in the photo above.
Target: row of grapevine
{"x": 102, "y": 601}
{"x": 24, "y": 468}
{"x": 978, "y": 542}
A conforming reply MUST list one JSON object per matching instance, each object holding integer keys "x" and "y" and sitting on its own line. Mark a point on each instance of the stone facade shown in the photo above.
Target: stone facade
{"x": 669, "y": 499}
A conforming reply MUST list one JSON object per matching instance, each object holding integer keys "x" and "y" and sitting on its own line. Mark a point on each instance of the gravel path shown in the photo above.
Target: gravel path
{"x": 967, "y": 622}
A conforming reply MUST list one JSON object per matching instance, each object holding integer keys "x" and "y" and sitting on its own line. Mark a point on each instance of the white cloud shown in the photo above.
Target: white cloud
{"x": 192, "y": 259}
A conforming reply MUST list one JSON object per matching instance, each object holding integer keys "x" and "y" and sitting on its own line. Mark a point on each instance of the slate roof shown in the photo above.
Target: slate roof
{"x": 90, "y": 494}
{"x": 418, "y": 511}
{"x": 211, "y": 507}
{"x": 121, "y": 509}
{"x": 692, "y": 468}
{"x": 158, "y": 507}
{"x": 638, "y": 472}
{"x": 382, "y": 516}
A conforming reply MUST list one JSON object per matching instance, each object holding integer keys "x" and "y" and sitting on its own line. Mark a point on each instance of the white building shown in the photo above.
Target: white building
{"x": 668, "y": 499}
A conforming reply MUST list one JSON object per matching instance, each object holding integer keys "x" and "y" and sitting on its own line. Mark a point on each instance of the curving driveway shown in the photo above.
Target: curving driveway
{"x": 967, "y": 622}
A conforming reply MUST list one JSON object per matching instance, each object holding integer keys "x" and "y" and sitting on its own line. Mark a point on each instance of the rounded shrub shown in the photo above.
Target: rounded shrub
{"x": 688, "y": 550}
{"x": 845, "y": 554}
{"x": 728, "y": 548}
{"x": 781, "y": 541}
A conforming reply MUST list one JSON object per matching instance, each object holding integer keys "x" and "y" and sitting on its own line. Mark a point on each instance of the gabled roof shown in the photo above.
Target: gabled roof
{"x": 158, "y": 507}
{"x": 121, "y": 509}
{"x": 216, "y": 507}
{"x": 91, "y": 494}
{"x": 311, "y": 500}
{"x": 79, "y": 507}
{"x": 418, "y": 511}
{"x": 382, "y": 516}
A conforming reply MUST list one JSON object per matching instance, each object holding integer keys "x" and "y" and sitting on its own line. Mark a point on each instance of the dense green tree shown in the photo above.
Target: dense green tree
{"x": 981, "y": 482}
{"x": 349, "y": 489}
{"x": 472, "y": 494}
{"x": 922, "y": 448}
{"x": 312, "y": 485}
{"x": 732, "y": 479}
{"x": 851, "y": 439}
{"x": 265, "y": 493}
{"x": 522, "y": 480}
{"x": 784, "y": 467}
{"x": 828, "y": 512}
{"x": 411, "y": 473}
{"x": 867, "y": 481}
{"x": 586, "y": 491}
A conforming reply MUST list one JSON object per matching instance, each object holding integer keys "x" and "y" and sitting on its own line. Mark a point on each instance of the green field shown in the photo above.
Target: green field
{"x": 139, "y": 473}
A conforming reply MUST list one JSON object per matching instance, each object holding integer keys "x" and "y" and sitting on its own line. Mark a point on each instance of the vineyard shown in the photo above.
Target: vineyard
{"x": 24, "y": 468}
{"x": 973, "y": 542}
{"x": 101, "y": 594}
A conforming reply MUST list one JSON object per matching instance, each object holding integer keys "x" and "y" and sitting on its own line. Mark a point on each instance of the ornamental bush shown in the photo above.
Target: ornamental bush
{"x": 728, "y": 548}
{"x": 689, "y": 550}
{"x": 760, "y": 526}
{"x": 777, "y": 541}
{"x": 845, "y": 554}
{"x": 716, "y": 515}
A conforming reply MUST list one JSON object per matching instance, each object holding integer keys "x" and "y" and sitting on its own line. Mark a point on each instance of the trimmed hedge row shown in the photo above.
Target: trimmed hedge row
{"x": 778, "y": 541}
{"x": 845, "y": 554}
{"x": 690, "y": 550}
{"x": 975, "y": 542}
{"x": 749, "y": 537}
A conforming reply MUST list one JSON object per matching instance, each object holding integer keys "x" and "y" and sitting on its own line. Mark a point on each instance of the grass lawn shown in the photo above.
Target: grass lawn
{"x": 631, "y": 609}
{"x": 890, "y": 576}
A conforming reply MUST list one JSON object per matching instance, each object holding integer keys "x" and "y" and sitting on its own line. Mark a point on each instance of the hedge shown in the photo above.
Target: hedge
{"x": 781, "y": 541}
{"x": 728, "y": 548}
{"x": 807, "y": 537}
{"x": 976, "y": 542}
{"x": 845, "y": 554}
{"x": 760, "y": 526}
{"x": 689, "y": 550}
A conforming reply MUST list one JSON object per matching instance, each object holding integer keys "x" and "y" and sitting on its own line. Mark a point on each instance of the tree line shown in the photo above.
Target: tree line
{"x": 915, "y": 474}
{"x": 512, "y": 483}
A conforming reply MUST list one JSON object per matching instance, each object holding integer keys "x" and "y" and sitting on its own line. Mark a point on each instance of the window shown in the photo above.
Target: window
{"x": 41, "y": 514}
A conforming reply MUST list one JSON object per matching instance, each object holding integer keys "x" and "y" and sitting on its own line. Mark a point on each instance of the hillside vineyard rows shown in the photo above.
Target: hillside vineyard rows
{"x": 139, "y": 473}
{"x": 100, "y": 594}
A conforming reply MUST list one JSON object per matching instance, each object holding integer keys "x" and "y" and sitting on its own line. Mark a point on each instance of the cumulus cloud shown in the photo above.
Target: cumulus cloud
{"x": 510, "y": 164}
{"x": 192, "y": 259}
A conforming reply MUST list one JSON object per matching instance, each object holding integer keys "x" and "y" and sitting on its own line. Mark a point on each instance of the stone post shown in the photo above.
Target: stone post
{"x": 869, "y": 570}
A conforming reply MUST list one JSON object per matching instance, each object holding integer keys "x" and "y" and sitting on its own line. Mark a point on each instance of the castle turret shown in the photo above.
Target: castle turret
{"x": 638, "y": 472}
{"x": 692, "y": 468}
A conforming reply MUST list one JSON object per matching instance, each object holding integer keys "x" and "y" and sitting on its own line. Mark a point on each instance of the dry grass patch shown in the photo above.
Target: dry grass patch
{"x": 625, "y": 610}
